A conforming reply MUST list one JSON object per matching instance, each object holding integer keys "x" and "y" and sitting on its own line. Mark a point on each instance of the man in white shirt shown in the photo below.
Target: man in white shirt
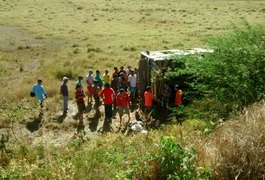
{"x": 132, "y": 81}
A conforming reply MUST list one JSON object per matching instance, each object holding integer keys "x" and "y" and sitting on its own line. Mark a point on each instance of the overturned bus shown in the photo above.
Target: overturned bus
{"x": 153, "y": 65}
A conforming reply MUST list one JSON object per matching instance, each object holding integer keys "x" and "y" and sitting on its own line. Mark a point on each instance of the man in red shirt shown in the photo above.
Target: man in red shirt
{"x": 148, "y": 100}
{"x": 123, "y": 103}
{"x": 107, "y": 94}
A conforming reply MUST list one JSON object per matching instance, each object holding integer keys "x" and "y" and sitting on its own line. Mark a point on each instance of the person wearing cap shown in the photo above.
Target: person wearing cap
{"x": 65, "y": 94}
{"x": 179, "y": 93}
{"x": 108, "y": 95}
{"x": 89, "y": 83}
{"x": 79, "y": 81}
{"x": 79, "y": 96}
{"x": 123, "y": 81}
{"x": 123, "y": 103}
{"x": 39, "y": 92}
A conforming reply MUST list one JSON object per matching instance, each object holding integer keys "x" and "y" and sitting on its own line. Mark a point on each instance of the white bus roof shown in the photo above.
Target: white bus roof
{"x": 167, "y": 54}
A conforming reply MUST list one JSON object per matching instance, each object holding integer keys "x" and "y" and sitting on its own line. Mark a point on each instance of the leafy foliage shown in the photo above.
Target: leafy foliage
{"x": 177, "y": 162}
{"x": 233, "y": 75}
{"x": 169, "y": 161}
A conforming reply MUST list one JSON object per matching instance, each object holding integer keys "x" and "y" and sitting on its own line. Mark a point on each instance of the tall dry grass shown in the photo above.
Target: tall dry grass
{"x": 236, "y": 149}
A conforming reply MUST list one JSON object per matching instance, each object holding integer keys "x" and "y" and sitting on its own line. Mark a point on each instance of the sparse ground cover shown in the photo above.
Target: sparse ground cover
{"x": 50, "y": 39}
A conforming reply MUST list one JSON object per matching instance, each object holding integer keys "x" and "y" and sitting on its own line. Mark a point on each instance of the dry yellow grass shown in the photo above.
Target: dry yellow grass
{"x": 235, "y": 150}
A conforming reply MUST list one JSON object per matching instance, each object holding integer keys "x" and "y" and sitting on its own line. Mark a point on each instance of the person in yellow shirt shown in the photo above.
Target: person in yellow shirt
{"x": 106, "y": 77}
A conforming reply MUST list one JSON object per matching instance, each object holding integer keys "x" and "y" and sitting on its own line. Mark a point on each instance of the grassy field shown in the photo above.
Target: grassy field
{"x": 50, "y": 39}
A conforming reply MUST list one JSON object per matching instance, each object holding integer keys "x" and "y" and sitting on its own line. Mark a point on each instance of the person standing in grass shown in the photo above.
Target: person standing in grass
{"x": 79, "y": 81}
{"x": 65, "y": 94}
{"x": 89, "y": 82}
{"x": 115, "y": 86}
{"x": 123, "y": 103}
{"x": 132, "y": 82}
{"x": 108, "y": 95}
{"x": 96, "y": 91}
{"x": 148, "y": 100}
{"x": 179, "y": 93}
{"x": 79, "y": 96}
{"x": 106, "y": 77}
{"x": 166, "y": 93}
{"x": 99, "y": 79}
{"x": 115, "y": 72}
{"x": 40, "y": 93}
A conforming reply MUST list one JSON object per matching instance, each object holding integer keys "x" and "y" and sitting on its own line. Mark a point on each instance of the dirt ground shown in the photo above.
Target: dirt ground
{"x": 63, "y": 128}
{"x": 49, "y": 130}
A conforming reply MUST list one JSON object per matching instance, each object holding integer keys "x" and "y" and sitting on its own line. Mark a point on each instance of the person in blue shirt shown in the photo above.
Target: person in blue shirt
{"x": 39, "y": 92}
{"x": 99, "y": 79}
{"x": 166, "y": 95}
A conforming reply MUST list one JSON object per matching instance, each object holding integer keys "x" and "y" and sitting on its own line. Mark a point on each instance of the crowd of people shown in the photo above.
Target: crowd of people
{"x": 117, "y": 90}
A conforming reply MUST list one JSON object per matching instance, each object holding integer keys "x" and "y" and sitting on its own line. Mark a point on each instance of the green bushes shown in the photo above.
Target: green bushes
{"x": 170, "y": 161}
{"x": 233, "y": 75}
{"x": 177, "y": 162}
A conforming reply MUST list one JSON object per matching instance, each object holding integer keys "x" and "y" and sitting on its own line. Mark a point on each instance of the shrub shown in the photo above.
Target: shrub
{"x": 170, "y": 161}
{"x": 233, "y": 75}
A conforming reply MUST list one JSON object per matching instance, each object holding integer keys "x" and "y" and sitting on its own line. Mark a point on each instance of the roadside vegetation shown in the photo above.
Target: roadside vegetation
{"x": 222, "y": 136}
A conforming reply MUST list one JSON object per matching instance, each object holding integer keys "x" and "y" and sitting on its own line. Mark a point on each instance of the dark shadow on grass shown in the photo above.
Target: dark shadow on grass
{"x": 106, "y": 126}
{"x": 35, "y": 124}
{"x": 88, "y": 108}
{"x": 94, "y": 121}
{"x": 60, "y": 118}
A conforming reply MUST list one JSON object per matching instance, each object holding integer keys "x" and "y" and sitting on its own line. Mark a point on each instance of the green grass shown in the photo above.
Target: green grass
{"x": 51, "y": 39}
{"x": 84, "y": 34}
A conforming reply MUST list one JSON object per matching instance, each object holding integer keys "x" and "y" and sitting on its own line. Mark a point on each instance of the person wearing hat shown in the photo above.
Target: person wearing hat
{"x": 89, "y": 83}
{"x": 79, "y": 81}
{"x": 65, "y": 94}
{"x": 39, "y": 92}
{"x": 123, "y": 81}
{"x": 123, "y": 103}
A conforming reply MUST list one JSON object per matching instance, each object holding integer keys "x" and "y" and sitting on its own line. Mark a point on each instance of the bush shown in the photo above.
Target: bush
{"x": 233, "y": 75}
{"x": 170, "y": 161}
